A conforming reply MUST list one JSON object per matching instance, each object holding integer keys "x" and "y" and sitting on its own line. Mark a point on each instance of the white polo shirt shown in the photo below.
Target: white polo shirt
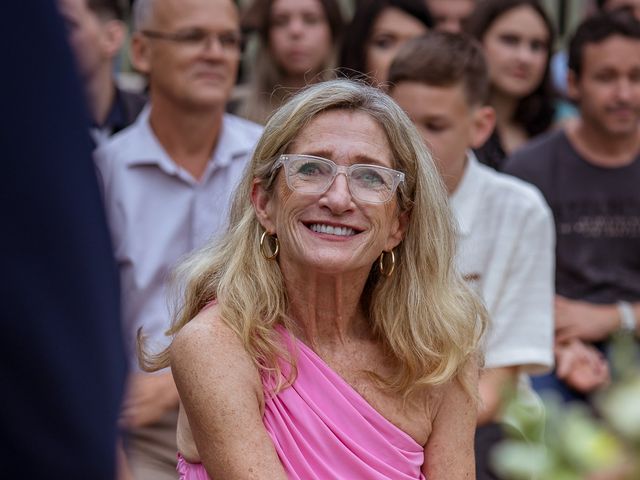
{"x": 506, "y": 251}
{"x": 158, "y": 212}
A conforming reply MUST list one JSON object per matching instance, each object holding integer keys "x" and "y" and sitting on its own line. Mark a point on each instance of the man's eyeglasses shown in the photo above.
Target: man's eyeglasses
{"x": 230, "y": 42}
{"x": 310, "y": 174}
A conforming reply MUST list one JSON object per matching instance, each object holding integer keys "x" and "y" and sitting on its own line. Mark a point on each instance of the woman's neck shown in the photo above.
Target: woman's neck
{"x": 512, "y": 134}
{"x": 505, "y": 107}
{"x": 294, "y": 82}
{"x": 326, "y": 309}
{"x": 298, "y": 81}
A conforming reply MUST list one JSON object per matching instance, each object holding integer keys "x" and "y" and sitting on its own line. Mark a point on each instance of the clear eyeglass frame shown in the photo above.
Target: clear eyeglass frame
{"x": 303, "y": 183}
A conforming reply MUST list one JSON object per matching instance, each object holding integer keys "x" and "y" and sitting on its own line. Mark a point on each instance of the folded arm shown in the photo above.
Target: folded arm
{"x": 590, "y": 322}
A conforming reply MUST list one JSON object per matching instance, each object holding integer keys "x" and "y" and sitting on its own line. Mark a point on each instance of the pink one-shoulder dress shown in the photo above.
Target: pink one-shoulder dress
{"x": 323, "y": 429}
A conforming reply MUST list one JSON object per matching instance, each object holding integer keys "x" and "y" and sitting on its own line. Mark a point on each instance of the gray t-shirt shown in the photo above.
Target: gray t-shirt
{"x": 597, "y": 216}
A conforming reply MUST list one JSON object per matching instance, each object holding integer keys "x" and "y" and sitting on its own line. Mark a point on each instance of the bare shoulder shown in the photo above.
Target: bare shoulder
{"x": 207, "y": 349}
{"x": 207, "y": 326}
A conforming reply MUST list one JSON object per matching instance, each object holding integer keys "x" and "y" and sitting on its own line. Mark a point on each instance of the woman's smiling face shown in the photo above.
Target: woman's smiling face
{"x": 333, "y": 232}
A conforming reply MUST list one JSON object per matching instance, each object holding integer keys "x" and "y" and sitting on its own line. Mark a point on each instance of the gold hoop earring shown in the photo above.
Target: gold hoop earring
{"x": 381, "y": 264}
{"x": 263, "y": 249}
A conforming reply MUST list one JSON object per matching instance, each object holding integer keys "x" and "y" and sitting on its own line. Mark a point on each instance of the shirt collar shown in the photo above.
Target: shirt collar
{"x": 464, "y": 200}
{"x": 147, "y": 150}
{"x": 232, "y": 144}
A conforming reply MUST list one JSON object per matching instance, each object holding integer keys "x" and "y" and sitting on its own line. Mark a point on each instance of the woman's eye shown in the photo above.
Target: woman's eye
{"x": 511, "y": 40}
{"x": 309, "y": 168}
{"x": 384, "y": 41}
{"x": 370, "y": 178}
{"x": 434, "y": 127}
{"x": 538, "y": 46}
{"x": 311, "y": 19}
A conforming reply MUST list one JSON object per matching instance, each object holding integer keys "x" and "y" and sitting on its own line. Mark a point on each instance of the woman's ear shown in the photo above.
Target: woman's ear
{"x": 483, "y": 123}
{"x": 398, "y": 230}
{"x": 262, "y": 202}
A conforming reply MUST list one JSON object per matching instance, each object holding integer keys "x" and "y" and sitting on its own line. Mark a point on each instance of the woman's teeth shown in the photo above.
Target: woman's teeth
{"x": 328, "y": 229}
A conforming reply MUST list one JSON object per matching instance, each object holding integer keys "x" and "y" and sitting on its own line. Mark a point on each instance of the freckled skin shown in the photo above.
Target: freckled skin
{"x": 324, "y": 276}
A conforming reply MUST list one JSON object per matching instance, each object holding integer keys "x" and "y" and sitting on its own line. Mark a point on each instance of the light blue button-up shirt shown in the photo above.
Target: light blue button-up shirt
{"x": 158, "y": 213}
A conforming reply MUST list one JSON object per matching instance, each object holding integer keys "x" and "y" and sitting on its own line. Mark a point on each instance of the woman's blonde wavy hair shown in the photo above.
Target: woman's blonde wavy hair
{"x": 425, "y": 317}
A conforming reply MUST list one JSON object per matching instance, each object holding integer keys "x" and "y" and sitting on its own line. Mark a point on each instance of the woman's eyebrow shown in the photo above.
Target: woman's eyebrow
{"x": 359, "y": 158}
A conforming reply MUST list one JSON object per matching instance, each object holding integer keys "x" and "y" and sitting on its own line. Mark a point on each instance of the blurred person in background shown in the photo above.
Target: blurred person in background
{"x": 505, "y": 234}
{"x": 589, "y": 173}
{"x": 632, "y": 6}
{"x": 63, "y": 364}
{"x": 97, "y": 32}
{"x": 559, "y": 62}
{"x": 517, "y": 37}
{"x": 450, "y": 15}
{"x": 376, "y": 32}
{"x": 167, "y": 182}
{"x": 298, "y": 42}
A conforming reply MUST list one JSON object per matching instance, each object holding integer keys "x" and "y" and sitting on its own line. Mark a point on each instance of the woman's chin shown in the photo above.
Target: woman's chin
{"x": 333, "y": 265}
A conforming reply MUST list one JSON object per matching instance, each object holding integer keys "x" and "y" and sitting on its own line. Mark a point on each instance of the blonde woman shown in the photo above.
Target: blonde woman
{"x": 327, "y": 334}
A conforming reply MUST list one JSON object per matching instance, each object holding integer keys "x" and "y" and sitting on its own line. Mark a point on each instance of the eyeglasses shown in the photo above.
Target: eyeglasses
{"x": 368, "y": 183}
{"x": 230, "y": 42}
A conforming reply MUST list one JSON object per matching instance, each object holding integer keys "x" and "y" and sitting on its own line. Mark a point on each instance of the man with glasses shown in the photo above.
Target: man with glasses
{"x": 167, "y": 183}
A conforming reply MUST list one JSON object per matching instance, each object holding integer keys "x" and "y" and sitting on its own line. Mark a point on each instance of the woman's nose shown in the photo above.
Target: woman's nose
{"x": 338, "y": 196}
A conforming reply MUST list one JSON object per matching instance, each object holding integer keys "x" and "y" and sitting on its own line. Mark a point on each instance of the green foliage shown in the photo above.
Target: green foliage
{"x": 575, "y": 442}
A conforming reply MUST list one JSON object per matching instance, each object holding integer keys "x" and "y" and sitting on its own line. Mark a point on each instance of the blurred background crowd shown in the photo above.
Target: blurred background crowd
{"x": 176, "y": 93}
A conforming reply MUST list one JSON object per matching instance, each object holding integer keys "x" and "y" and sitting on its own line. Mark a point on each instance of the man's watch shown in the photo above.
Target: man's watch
{"x": 627, "y": 317}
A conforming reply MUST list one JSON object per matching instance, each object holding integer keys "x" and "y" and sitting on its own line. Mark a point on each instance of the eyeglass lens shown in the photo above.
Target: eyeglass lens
{"x": 368, "y": 183}
{"x": 197, "y": 38}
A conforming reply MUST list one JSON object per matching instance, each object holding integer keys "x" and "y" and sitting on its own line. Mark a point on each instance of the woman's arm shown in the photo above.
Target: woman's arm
{"x": 494, "y": 382}
{"x": 222, "y": 395}
{"x": 449, "y": 452}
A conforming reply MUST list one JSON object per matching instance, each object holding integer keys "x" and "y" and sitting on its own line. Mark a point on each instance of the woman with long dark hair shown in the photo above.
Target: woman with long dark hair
{"x": 377, "y": 31}
{"x": 517, "y": 36}
{"x": 298, "y": 41}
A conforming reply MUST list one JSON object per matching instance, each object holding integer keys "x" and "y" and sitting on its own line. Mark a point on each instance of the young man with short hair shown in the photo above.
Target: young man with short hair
{"x": 168, "y": 181}
{"x": 505, "y": 228}
{"x": 97, "y": 32}
{"x": 589, "y": 173}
